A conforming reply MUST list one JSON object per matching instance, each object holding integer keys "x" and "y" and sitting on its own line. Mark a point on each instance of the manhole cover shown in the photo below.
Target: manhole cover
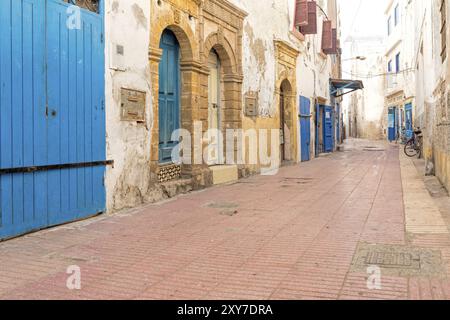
{"x": 401, "y": 261}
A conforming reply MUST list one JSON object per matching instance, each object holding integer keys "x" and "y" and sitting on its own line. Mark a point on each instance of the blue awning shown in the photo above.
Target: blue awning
{"x": 338, "y": 86}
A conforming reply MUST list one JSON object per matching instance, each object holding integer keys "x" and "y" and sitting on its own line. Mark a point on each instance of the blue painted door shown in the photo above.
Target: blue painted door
{"x": 52, "y": 113}
{"x": 338, "y": 123}
{"x": 409, "y": 120}
{"x": 169, "y": 96}
{"x": 392, "y": 126}
{"x": 328, "y": 129}
{"x": 305, "y": 128}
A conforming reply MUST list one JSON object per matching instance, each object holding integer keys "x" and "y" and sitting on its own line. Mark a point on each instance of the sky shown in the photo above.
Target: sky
{"x": 361, "y": 18}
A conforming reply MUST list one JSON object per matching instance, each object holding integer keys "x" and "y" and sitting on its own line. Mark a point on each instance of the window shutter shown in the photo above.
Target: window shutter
{"x": 311, "y": 28}
{"x": 334, "y": 49}
{"x": 327, "y": 36}
{"x": 301, "y": 13}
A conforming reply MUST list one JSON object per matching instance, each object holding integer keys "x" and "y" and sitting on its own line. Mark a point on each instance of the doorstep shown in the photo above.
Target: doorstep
{"x": 224, "y": 174}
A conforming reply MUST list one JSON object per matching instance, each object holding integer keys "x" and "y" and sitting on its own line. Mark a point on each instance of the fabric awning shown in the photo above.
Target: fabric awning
{"x": 339, "y": 85}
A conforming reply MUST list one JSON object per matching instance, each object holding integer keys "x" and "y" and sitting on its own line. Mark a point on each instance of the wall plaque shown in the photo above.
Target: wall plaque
{"x": 132, "y": 105}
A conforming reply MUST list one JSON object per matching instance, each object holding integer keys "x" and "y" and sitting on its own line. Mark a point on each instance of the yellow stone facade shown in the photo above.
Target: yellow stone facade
{"x": 199, "y": 26}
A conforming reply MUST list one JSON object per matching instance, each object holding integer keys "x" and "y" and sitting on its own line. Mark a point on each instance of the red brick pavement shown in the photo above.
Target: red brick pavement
{"x": 293, "y": 236}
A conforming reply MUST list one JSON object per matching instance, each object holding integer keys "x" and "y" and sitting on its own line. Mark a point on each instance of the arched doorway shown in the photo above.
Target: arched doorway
{"x": 285, "y": 121}
{"x": 215, "y": 109}
{"x": 169, "y": 96}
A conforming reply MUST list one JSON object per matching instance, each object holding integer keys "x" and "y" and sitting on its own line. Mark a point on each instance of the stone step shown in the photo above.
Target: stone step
{"x": 224, "y": 174}
{"x": 176, "y": 187}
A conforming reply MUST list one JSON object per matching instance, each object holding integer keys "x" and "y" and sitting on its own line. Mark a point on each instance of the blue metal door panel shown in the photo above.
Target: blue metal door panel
{"x": 317, "y": 121}
{"x": 409, "y": 120}
{"x": 392, "y": 130}
{"x": 52, "y": 112}
{"x": 328, "y": 128}
{"x": 338, "y": 123}
{"x": 305, "y": 128}
{"x": 169, "y": 91}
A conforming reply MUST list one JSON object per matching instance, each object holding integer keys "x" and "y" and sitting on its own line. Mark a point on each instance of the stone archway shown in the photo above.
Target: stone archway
{"x": 286, "y": 96}
{"x": 231, "y": 98}
{"x": 231, "y": 80}
{"x": 286, "y": 127}
{"x": 193, "y": 21}
{"x": 190, "y": 68}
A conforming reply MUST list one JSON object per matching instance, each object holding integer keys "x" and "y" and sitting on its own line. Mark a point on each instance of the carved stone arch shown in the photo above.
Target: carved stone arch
{"x": 176, "y": 21}
{"x": 225, "y": 51}
{"x": 180, "y": 26}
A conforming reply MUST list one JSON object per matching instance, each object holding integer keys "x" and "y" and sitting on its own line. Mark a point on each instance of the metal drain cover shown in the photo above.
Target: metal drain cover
{"x": 393, "y": 260}
{"x": 397, "y": 260}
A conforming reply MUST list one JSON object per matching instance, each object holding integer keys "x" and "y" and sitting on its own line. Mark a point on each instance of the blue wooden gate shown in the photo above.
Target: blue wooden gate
{"x": 305, "y": 128}
{"x": 169, "y": 96}
{"x": 52, "y": 115}
{"x": 328, "y": 129}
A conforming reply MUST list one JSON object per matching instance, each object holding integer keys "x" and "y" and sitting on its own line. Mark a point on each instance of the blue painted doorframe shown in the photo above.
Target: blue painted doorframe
{"x": 51, "y": 113}
{"x": 305, "y": 128}
{"x": 169, "y": 96}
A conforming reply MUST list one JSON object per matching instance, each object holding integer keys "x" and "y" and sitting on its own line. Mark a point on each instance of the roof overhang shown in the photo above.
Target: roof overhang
{"x": 338, "y": 86}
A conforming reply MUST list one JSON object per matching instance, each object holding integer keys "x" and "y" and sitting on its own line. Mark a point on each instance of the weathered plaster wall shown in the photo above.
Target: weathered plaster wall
{"x": 432, "y": 87}
{"x": 137, "y": 25}
{"x": 259, "y": 62}
{"x": 128, "y": 143}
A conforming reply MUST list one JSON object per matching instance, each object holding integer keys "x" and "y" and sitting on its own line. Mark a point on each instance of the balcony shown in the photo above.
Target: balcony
{"x": 393, "y": 83}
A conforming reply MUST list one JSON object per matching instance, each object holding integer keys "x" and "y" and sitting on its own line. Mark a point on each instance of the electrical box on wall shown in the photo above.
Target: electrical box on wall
{"x": 132, "y": 105}
{"x": 251, "y": 104}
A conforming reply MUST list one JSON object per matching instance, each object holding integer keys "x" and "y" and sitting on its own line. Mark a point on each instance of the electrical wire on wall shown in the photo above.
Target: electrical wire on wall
{"x": 368, "y": 76}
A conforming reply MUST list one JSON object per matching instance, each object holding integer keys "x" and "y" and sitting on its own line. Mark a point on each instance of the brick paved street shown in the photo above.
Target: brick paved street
{"x": 290, "y": 236}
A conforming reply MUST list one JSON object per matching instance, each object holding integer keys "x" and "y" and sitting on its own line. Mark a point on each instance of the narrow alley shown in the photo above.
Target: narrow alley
{"x": 224, "y": 150}
{"x": 306, "y": 233}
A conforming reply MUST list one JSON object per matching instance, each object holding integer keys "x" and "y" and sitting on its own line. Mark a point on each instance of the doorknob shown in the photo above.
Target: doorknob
{"x": 51, "y": 112}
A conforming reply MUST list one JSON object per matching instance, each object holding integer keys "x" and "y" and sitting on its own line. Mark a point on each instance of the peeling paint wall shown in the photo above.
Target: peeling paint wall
{"x": 274, "y": 20}
{"x": 128, "y": 143}
{"x": 314, "y": 69}
{"x": 433, "y": 87}
{"x": 128, "y": 29}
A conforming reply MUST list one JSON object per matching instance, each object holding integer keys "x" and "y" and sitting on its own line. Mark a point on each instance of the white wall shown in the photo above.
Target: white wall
{"x": 128, "y": 144}
{"x": 270, "y": 20}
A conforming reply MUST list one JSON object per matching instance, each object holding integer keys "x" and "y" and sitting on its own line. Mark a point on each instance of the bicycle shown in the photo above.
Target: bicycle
{"x": 414, "y": 145}
{"x": 403, "y": 137}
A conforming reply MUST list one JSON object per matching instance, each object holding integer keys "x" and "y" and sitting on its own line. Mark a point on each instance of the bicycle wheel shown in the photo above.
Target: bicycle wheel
{"x": 410, "y": 149}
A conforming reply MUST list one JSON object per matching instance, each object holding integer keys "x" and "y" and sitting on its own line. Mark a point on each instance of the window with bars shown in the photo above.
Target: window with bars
{"x": 443, "y": 10}
{"x": 91, "y": 5}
